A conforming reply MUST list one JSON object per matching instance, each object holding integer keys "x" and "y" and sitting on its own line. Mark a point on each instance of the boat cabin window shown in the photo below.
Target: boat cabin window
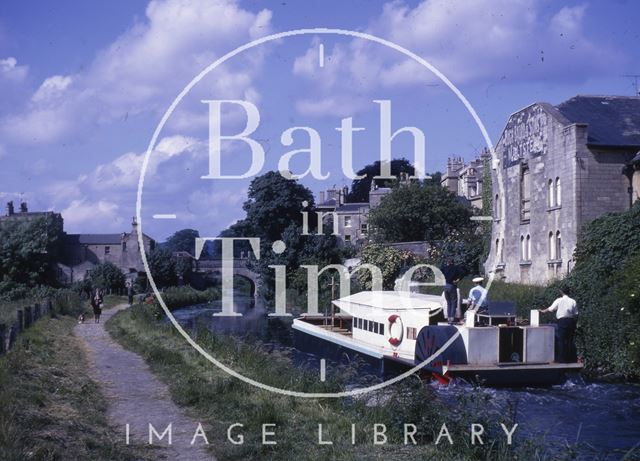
{"x": 381, "y": 329}
{"x": 366, "y": 325}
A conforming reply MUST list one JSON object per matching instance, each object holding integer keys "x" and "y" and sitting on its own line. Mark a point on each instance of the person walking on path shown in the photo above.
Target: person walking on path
{"x": 566, "y": 310}
{"x": 96, "y": 303}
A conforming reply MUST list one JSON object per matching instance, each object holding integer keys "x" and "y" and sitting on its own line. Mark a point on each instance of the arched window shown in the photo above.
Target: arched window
{"x": 498, "y": 249}
{"x": 528, "y": 248}
{"x": 552, "y": 246}
{"x": 502, "y": 250}
{"x": 551, "y": 193}
{"x": 523, "y": 249}
{"x": 558, "y": 200}
{"x": 496, "y": 206}
{"x": 558, "y": 245}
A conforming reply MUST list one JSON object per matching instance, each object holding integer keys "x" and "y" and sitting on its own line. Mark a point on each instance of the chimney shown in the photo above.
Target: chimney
{"x": 23, "y": 207}
{"x": 10, "y": 208}
{"x": 322, "y": 196}
{"x": 345, "y": 192}
{"x": 134, "y": 224}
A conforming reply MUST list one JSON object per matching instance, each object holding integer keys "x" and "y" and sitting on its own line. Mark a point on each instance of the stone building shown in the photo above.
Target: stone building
{"x": 352, "y": 217}
{"x": 81, "y": 252}
{"x": 559, "y": 168}
{"x": 25, "y": 215}
{"x": 465, "y": 180}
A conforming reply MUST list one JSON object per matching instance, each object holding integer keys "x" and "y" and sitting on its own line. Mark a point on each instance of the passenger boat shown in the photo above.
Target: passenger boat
{"x": 408, "y": 329}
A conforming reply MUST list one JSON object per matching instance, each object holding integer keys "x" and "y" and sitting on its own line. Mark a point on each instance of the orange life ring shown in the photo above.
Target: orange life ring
{"x": 397, "y": 339}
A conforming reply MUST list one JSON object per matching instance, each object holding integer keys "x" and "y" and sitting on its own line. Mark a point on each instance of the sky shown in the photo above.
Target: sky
{"x": 84, "y": 85}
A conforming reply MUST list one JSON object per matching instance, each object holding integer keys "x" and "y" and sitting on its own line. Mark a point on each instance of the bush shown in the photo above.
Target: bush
{"x": 106, "y": 276}
{"x": 177, "y": 297}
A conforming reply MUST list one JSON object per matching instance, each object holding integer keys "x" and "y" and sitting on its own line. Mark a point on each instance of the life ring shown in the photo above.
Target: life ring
{"x": 395, "y": 334}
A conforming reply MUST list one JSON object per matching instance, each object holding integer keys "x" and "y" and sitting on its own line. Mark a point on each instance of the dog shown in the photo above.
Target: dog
{"x": 81, "y": 318}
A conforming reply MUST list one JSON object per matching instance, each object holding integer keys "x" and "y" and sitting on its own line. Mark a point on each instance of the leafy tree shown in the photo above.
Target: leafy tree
{"x": 389, "y": 260}
{"x": 360, "y": 187}
{"x": 183, "y": 240}
{"x": 163, "y": 267}
{"x": 107, "y": 276}
{"x": 29, "y": 250}
{"x": 417, "y": 212}
{"x": 273, "y": 203}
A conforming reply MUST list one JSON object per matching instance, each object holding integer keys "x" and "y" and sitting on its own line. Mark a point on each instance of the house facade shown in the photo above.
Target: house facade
{"x": 559, "y": 168}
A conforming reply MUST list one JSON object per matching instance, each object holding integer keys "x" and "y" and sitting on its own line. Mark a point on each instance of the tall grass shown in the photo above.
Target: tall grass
{"x": 219, "y": 400}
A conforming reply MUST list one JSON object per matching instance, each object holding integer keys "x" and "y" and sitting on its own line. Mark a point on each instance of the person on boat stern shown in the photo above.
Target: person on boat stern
{"x": 478, "y": 299}
{"x": 566, "y": 311}
{"x": 452, "y": 275}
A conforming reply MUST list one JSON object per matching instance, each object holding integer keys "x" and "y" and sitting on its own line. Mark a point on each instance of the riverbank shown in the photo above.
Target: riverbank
{"x": 50, "y": 408}
{"x": 219, "y": 402}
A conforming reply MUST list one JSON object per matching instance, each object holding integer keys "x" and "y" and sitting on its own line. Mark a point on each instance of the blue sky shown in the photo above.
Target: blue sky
{"x": 84, "y": 84}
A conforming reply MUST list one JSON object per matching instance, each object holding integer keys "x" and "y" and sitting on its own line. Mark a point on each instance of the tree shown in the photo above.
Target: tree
{"x": 106, "y": 276}
{"x": 360, "y": 187}
{"x": 417, "y": 212}
{"x": 182, "y": 240}
{"x": 29, "y": 250}
{"x": 273, "y": 203}
{"x": 163, "y": 267}
{"x": 389, "y": 260}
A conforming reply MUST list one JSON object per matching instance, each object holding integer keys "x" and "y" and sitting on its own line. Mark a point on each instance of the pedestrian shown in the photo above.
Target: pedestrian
{"x": 452, "y": 275}
{"x": 566, "y": 311}
{"x": 130, "y": 292}
{"x": 96, "y": 303}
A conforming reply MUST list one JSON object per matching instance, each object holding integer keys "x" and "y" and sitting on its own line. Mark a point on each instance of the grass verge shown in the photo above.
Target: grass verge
{"x": 49, "y": 408}
{"x": 218, "y": 401}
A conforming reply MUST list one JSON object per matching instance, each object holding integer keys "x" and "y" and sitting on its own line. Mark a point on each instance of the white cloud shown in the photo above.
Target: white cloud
{"x": 52, "y": 88}
{"x": 86, "y": 216}
{"x": 143, "y": 69}
{"x": 467, "y": 40}
{"x": 11, "y": 71}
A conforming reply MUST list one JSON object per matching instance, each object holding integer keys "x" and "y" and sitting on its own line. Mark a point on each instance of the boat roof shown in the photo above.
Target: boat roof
{"x": 391, "y": 300}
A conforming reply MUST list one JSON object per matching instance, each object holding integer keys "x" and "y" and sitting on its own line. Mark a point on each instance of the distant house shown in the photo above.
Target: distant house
{"x": 81, "y": 252}
{"x": 560, "y": 167}
{"x": 465, "y": 179}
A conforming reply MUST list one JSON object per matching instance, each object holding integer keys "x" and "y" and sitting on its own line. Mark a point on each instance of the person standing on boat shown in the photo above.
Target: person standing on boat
{"x": 566, "y": 310}
{"x": 478, "y": 300}
{"x": 452, "y": 275}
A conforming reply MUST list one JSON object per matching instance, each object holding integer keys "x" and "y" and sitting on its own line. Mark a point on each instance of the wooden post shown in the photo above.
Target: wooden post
{"x": 3, "y": 338}
{"x": 37, "y": 313}
{"x": 50, "y": 308}
{"x": 13, "y": 335}
{"x": 20, "y": 321}
{"x": 28, "y": 317}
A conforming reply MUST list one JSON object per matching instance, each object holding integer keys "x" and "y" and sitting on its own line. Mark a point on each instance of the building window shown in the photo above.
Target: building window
{"x": 552, "y": 246}
{"x": 525, "y": 248}
{"x": 551, "y": 193}
{"x": 347, "y": 221}
{"x": 496, "y": 207}
{"x": 107, "y": 250}
{"x": 347, "y": 238}
{"x": 558, "y": 245}
{"x": 525, "y": 193}
{"x": 363, "y": 228}
{"x": 558, "y": 195}
{"x": 124, "y": 246}
{"x": 501, "y": 252}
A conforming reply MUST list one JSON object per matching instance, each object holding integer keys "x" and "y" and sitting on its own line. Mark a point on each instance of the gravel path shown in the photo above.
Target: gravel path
{"x": 136, "y": 397}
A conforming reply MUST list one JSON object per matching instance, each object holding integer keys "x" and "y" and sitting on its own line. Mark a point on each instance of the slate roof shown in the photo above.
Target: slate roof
{"x": 93, "y": 239}
{"x": 351, "y": 207}
{"x": 611, "y": 120}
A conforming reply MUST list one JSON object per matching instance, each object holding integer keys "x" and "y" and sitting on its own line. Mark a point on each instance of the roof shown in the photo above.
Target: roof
{"x": 611, "y": 120}
{"x": 327, "y": 203}
{"x": 391, "y": 300}
{"x": 346, "y": 207}
{"x": 93, "y": 239}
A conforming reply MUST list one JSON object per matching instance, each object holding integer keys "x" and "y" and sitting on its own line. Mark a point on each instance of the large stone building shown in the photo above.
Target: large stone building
{"x": 559, "y": 168}
{"x": 81, "y": 252}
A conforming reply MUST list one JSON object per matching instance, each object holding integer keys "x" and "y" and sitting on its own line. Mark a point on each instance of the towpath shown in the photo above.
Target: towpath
{"x": 136, "y": 396}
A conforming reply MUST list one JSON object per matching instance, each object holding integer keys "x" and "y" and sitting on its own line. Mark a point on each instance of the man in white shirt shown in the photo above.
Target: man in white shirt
{"x": 566, "y": 311}
{"x": 478, "y": 300}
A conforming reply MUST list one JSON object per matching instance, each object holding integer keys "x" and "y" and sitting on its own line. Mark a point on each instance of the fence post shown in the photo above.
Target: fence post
{"x": 3, "y": 338}
{"x": 50, "y": 308}
{"x": 20, "y": 321}
{"x": 37, "y": 313}
{"x": 13, "y": 334}
{"x": 28, "y": 317}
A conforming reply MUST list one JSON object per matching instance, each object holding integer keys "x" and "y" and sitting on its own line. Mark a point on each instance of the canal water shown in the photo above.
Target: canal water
{"x": 603, "y": 418}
